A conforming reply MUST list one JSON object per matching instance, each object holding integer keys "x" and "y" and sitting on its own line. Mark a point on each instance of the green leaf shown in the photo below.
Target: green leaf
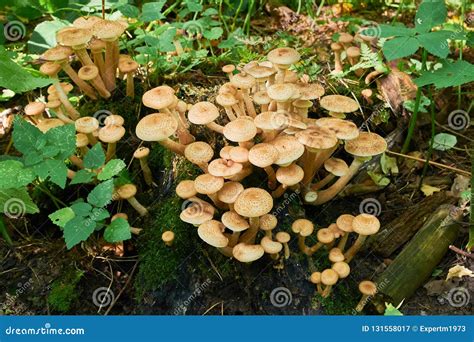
{"x": 450, "y": 75}
{"x": 400, "y": 47}
{"x": 26, "y": 137}
{"x": 378, "y": 178}
{"x": 82, "y": 176}
{"x": 44, "y": 35}
{"x": 444, "y": 141}
{"x": 81, "y": 209}
{"x": 193, "y": 6}
{"x": 214, "y": 33}
{"x": 112, "y": 168}
{"x": 387, "y": 31}
{"x": 17, "y": 79}
{"x": 152, "y": 11}
{"x": 165, "y": 42}
{"x": 62, "y": 216}
{"x": 209, "y": 12}
{"x": 63, "y": 138}
{"x": 101, "y": 195}
{"x": 99, "y": 214}
{"x": 95, "y": 157}
{"x": 117, "y": 230}
{"x": 57, "y": 172}
{"x": 129, "y": 11}
{"x": 14, "y": 174}
{"x": 17, "y": 202}
{"x": 388, "y": 165}
{"x": 390, "y": 310}
{"x": 430, "y": 13}
{"x": 78, "y": 229}
{"x": 435, "y": 42}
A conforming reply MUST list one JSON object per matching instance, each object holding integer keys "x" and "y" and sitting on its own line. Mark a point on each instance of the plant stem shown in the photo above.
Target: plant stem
{"x": 433, "y": 132}
{"x": 4, "y": 232}
{"x": 53, "y": 198}
{"x": 461, "y": 47}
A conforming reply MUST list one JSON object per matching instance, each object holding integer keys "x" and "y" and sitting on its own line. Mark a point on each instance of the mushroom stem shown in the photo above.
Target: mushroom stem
{"x": 249, "y": 104}
{"x": 99, "y": 61}
{"x": 100, "y": 87}
{"x": 351, "y": 252}
{"x": 251, "y": 233}
{"x": 302, "y": 245}
{"x": 137, "y": 206}
{"x": 215, "y": 127}
{"x": 130, "y": 85}
{"x": 87, "y": 89}
{"x": 362, "y": 302}
{"x": 77, "y": 161}
{"x": 70, "y": 174}
{"x": 61, "y": 116}
{"x": 323, "y": 182}
{"x": 327, "y": 291}
{"x": 83, "y": 56}
{"x": 230, "y": 114}
{"x": 234, "y": 239}
{"x": 286, "y": 249}
{"x": 92, "y": 139}
{"x": 111, "y": 59}
{"x": 279, "y": 191}
{"x": 73, "y": 113}
{"x": 272, "y": 182}
{"x": 111, "y": 148}
{"x": 238, "y": 110}
{"x": 342, "y": 243}
{"x": 146, "y": 171}
{"x": 173, "y": 146}
{"x": 313, "y": 162}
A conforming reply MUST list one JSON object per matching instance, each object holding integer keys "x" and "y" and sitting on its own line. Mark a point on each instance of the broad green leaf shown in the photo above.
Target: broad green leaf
{"x": 57, "y": 172}
{"x": 165, "y": 42}
{"x": 430, "y": 13}
{"x": 444, "y": 141}
{"x": 193, "y": 6}
{"x": 26, "y": 137}
{"x": 81, "y": 209}
{"x": 82, "y": 176}
{"x": 44, "y": 35}
{"x": 129, "y": 11}
{"x": 99, "y": 214}
{"x": 62, "y": 216}
{"x": 14, "y": 174}
{"x": 64, "y": 139}
{"x": 435, "y": 42}
{"x": 450, "y": 75}
{"x": 214, "y": 33}
{"x": 16, "y": 202}
{"x": 101, "y": 195}
{"x": 387, "y": 31}
{"x": 209, "y": 12}
{"x": 390, "y": 310}
{"x": 111, "y": 169}
{"x": 152, "y": 11}
{"x": 95, "y": 157}
{"x": 78, "y": 229}
{"x": 117, "y": 230}
{"x": 400, "y": 47}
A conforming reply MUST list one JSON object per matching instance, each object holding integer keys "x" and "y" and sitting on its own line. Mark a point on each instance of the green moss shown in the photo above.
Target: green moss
{"x": 342, "y": 301}
{"x": 63, "y": 291}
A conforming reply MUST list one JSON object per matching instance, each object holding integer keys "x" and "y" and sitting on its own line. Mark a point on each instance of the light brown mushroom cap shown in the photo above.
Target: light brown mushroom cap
{"x": 290, "y": 175}
{"x": 234, "y": 221}
{"x": 96, "y": 45}
{"x": 268, "y": 222}
{"x": 66, "y": 87}
{"x": 338, "y": 104}
{"x": 126, "y": 191}
{"x": 283, "y": 56}
{"x": 283, "y": 237}
{"x": 336, "y": 166}
{"x": 259, "y": 71}
{"x": 263, "y": 155}
{"x": 141, "y": 152}
{"x": 336, "y": 231}
{"x": 159, "y": 98}
{"x": 336, "y": 47}
{"x": 198, "y": 152}
{"x": 81, "y": 140}
{"x": 228, "y": 68}
{"x": 303, "y": 227}
{"x": 253, "y": 202}
{"x": 291, "y": 77}
{"x": 329, "y": 277}
{"x": 342, "y": 269}
{"x": 247, "y": 253}
{"x": 336, "y": 255}
{"x": 243, "y": 80}
{"x": 310, "y": 91}
{"x": 156, "y": 127}
{"x": 73, "y": 36}
{"x": 108, "y": 29}
{"x": 261, "y": 98}
{"x": 281, "y": 91}
{"x": 277, "y": 121}
{"x": 344, "y": 223}
{"x": 368, "y": 288}
{"x": 114, "y": 119}
{"x": 239, "y": 154}
{"x": 119, "y": 215}
{"x": 345, "y": 38}
{"x": 224, "y": 168}
{"x": 353, "y": 52}
{"x": 343, "y": 129}
{"x": 226, "y": 99}
{"x": 270, "y": 246}
{"x": 366, "y": 224}
{"x": 167, "y": 236}
{"x": 88, "y": 72}
{"x": 47, "y": 124}
{"x": 50, "y": 68}
{"x": 315, "y": 278}
{"x": 240, "y": 130}
{"x": 317, "y": 138}
{"x": 225, "y": 152}
{"x": 86, "y": 22}
{"x": 57, "y": 53}
{"x": 34, "y": 108}
{"x": 366, "y": 145}
{"x": 302, "y": 104}
{"x": 227, "y": 88}
{"x": 86, "y": 124}
{"x": 197, "y": 212}
{"x": 367, "y": 92}
{"x": 127, "y": 66}
{"x": 111, "y": 133}
{"x": 229, "y": 192}
{"x": 325, "y": 235}
{"x": 208, "y": 184}
{"x": 289, "y": 149}
{"x": 203, "y": 113}
{"x": 185, "y": 189}
{"x": 53, "y": 104}
{"x": 212, "y": 232}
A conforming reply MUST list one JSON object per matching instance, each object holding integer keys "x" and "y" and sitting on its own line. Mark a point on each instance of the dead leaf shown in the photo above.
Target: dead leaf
{"x": 459, "y": 272}
{"x": 429, "y": 190}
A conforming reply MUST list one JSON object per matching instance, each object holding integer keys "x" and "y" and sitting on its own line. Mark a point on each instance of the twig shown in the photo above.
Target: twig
{"x": 123, "y": 289}
{"x": 213, "y": 306}
{"x": 460, "y": 251}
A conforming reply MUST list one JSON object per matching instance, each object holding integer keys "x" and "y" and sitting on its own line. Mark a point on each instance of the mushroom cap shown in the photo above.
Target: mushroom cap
{"x": 167, "y": 236}
{"x": 240, "y": 130}
{"x": 50, "y": 68}
{"x": 128, "y": 65}
{"x": 203, "y": 113}
{"x": 86, "y": 22}
{"x": 239, "y": 154}
{"x": 290, "y": 175}
{"x": 317, "y": 138}
{"x": 247, "y": 253}
{"x": 366, "y": 145}
{"x": 86, "y": 124}
{"x": 367, "y": 92}
{"x": 126, "y": 191}
{"x": 344, "y": 223}
{"x": 159, "y": 98}
{"x": 226, "y": 99}
{"x": 366, "y": 224}
{"x": 111, "y": 133}
{"x": 345, "y": 38}
{"x": 208, "y": 184}
{"x": 259, "y": 71}
{"x": 342, "y": 269}
{"x": 283, "y": 56}
{"x": 243, "y": 80}
{"x": 343, "y": 129}
{"x": 253, "y": 202}
{"x": 338, "y": 104}
{"x": 73, "y": 36}
{"x": 261, "y": 97}
{"x": 81, "y": 140}
{"x": 212, "y": 232}
{"x": 198, "y": 212}
{"x": 268, "y": 222}
{"x": 53, "y": 104}
{"x": 310, "y": 91}
{"x": 270, "y": 246}
{"x": 336, "y": 166}
{"x": 329, "y": 277}
{"x": 114, "y": 119}
{"x": 229, "y": 192}
{"x": 368, "y": 288}
{"x": 119, "y": 215}
{"x": 336, "y": 231}
{"x": 336, "y": 255}
{"x": 199, "y": 152}
{"x": 289, "y": 149}
{"x": 228, "y": 68}
{"x": 96, "y": 45}
{"x": 325, "y": 235}
{"x": 353, "y": 52}
{"x": 156, "y": 127}
{"x": 263, "y": 155}
{"x": 283, "y": 237}
{"x": 108, "y": 29}
{"x": 277, "y": 121}
{"x": 291, "y": 76}
{"x": 34, "y": 108}
{"x": 227, "y": 88}
{"x": 88, "y": 72}
{"x": 281, "y": 92}
{"x": 315, "y": 278}
{"x": 67, "y": 87}
{"x": 224, "y": 168}
{"x": 225, "y": 152}
{"x": 57, "y": 53}
{"x": 185, "y": 189}
{"x": 302, "y": 104}
{"x": 234, "y": 221}
{"x": 47, "y": 124}
{"x": 336, "y": 47}
{"x": 303, "y": 227}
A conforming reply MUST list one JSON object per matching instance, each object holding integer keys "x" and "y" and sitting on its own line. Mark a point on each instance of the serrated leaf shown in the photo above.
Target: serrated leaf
{"x": 117, "y": 230}
{"x": 57, "y": 172}
{"x": 26, "y": 137}
{"x": 81, "y": 209}
{"x": 444, "y": 141}
{"x": 387, "y": 31}
{"x": 14, "y": 174}
{"x": 152, "y": 11}
{"x": 78, "y": 229}
{"x": 63, "y": 138}
{"x": 129, "y": 11}
{"x": 111, "y": 169}
{"x": 82, "y": 176}
{"x": 214, "y": 33}
{"x": 193, "y": 6}
{"x": 400, "y": 47}
{"x": 16, "y": 202}
{"x": 430, "y": 13}
{"x": 62, "y": 216}
{"x": 95, "y": 157}
{"x": 101, "y": 195}
{"x": 99, "y": 214}
{"x": 435, "y": 42}
{"x": 450, "y": 75}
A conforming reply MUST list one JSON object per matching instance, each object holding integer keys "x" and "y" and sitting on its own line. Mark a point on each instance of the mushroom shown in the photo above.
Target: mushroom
{"x": 345, "y": 39}
{"x": 212, "y": 233}
{"x": 364, "y": 225}
{"x": 229, "y": 70}
{"x": 168, "y": 238}
{"x": 282, "y": 59}
{"x": 367, "y": 95}
{"x": 97, "y": 46}
{"x": 353, "y": 55}
{"x": 368, "y": 289}
{"x": 261, "y": 75}
{"x": 87, "y": 125}
{"x": 128, "y": 192}
{"x": 114, "y": 119}
{"x": 271, "y": 247}
{"x": 336, "y": 255}
{"x": 268, "y": 222}
{"x": 209, "y": 185}
{"x": 284, "y": 238}
{"x": 236, "y": 224}
{"x": 81, "y": 143}
{"x": 128, "y": 67}
{"x": 245, "y": 82}
{"x": 47, "y": 124}
{"x": 204, "y": 113}
{"x": 287, "y": 176}
{"x": 301, "y": 107}
{"x": 336, "y": 168}
{"x": 289, "y": 149}
{"x": 34, "y": 111}
{"x": 239, "y": 154}
{"x": 186, "y": 190}
{"x": 281, "y": 93}
{"x": 241, "y": 131}
{"x": 344, "y": 223}
{"x": 198, "y": 212}
{"x": 338, "y": 105}
{"x": 77, "y": 39}
{"x": 228, "y": 101}
{"x": 224, "y": 168}
{"x": 244, "y": 252}
{"x": 325, "y": 236}
{"x": 264, "y": 155}
{"x": 229, "y": 193}
{"x": 91, "y": 73}
{"x": 54, "y": 108}
{"x": 329, "y": 277}
{"x": 316, "y": 279}
{"x": 133, "y": 230}
{"x": 199, "y": 153}
{"x": 141, "y": 154}
{"x": 262, "y": 99}
{"x": 342, "y": 269}
{"x": 337, "y": 48}
{"x": 303, "y": 228}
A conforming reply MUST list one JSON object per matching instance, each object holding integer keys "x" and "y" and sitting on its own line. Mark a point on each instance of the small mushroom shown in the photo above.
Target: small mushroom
{"x": 236, "y": 224}
{"x": 338, "y": 105}
{"x": 316, "y": 279}
{"x": 34, "y": 111}
{"x": 111, "y": 134}
{"x": 329, "y": 277}
{"x": 303, "y": 228}
{"x": 87, "y": 125}
{"x": 244, "y": 252}
{"x": 271, "y": 247}
{"x": 128, "y": 192}
{"x": 241, "y": 131}
{"x": 245, "y": 82}
{"x": 199, "y": 153}
{"x": 268, "y": 222}
{"x": 282, "y": 59}
{"x": 336, "y": 168}
{"x": 337, "y": 49}
{"x": 129, "y": 67}
{"x": 264, "y": 155}
{"x": 284, "y": 238}
{"x": 142, "y": 154}
{"x": 336, "y": 255}
{"x": 212, "y": 233}
{"x": 368, "y": 289}
{"x": 209, "y": 185}
{"x": 364, "y": 225}
{"x": 204, "y": 113}
{"x": 229, "y": 193}
{"x": 342, "y": 269}
{"x": 198, "y": 212}
{"x": 344, "y": 223}
{"x": 287, "y": 176}
{"x": 168, "y": 238}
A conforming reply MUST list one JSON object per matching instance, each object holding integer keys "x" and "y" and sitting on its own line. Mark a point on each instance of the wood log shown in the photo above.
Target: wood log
{"x": 416, "y": 262}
